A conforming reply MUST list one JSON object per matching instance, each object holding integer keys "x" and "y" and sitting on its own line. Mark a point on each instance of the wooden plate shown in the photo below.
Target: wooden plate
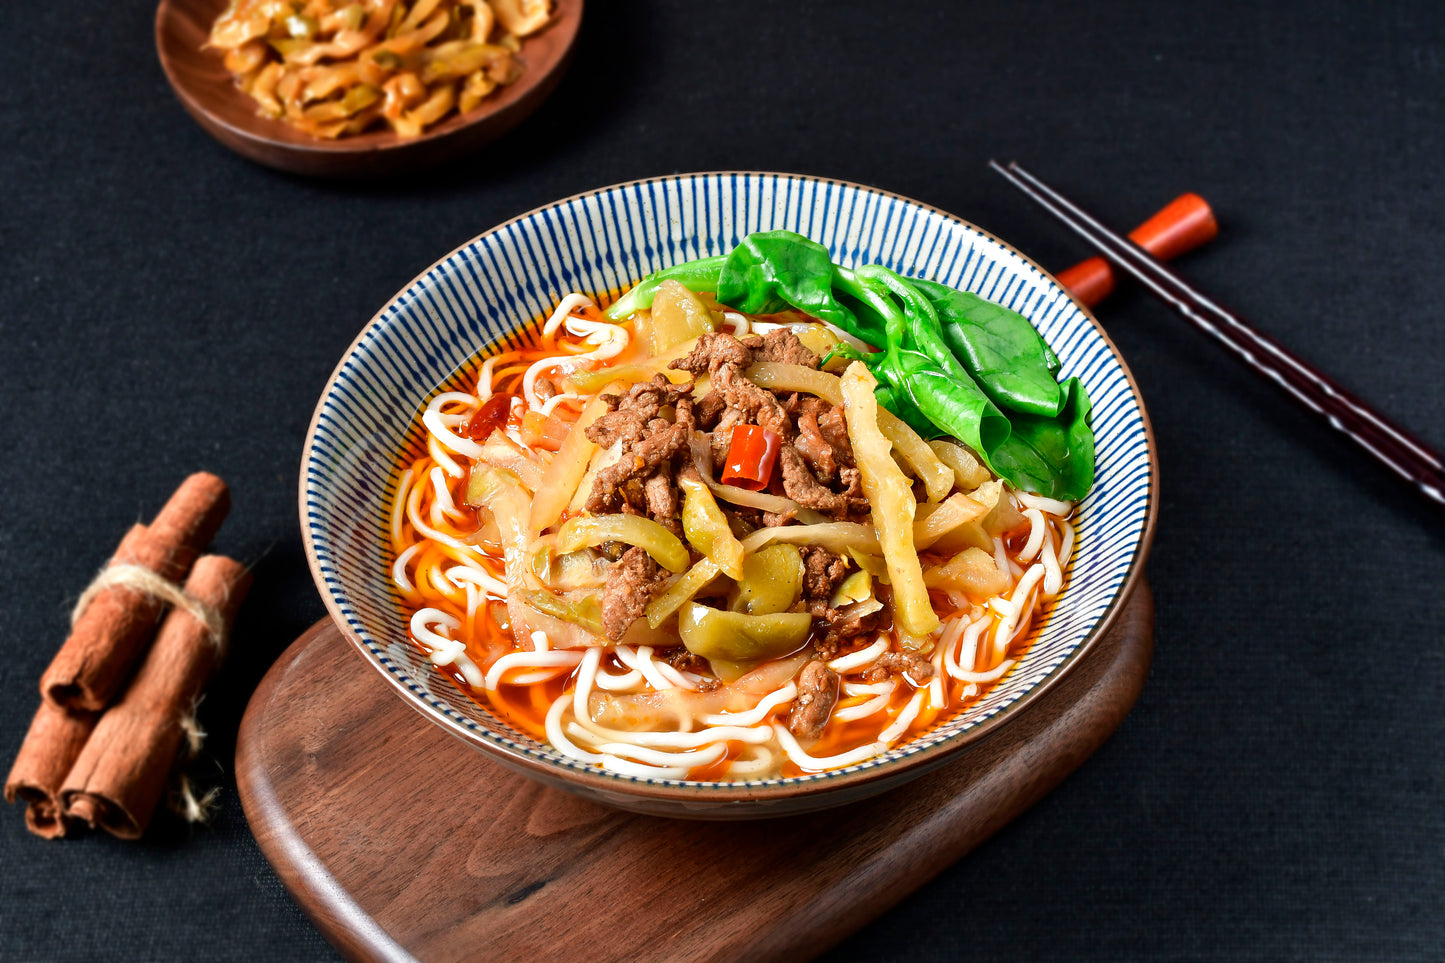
{"x": 401, "y": 844}
{"x": 206, "y": 90}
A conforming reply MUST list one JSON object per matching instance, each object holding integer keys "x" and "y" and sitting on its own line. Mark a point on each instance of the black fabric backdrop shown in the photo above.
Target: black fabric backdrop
{"x": 1278, "y": 792}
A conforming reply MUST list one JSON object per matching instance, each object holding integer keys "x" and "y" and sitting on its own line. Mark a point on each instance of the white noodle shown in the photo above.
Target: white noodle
{"x": 484, "y": 380}
{"x": 557, "y": 399}
{"x": 398, "y": 569}
{"x": 1053, "y": 574}
{"x": 904, "y": 720}
{"x": 565, "y": 307}
{"x": 627, "y": 768}
{"x": 936, "y": 697}
{"x": 611, "y": 340}
{"x": 1050, "y": 505}
{"x": 660, "y": 757}
{"x": 809, "y": 763}
{"x": 864, "y": 709}
{"x": 529, "y": 660}
{"x": 442, "y": 649}
{"x": 440, "y": 583}
{"x": 585, "y": 674}
{"x": 432, "y": 418}
{"x": 435, "y": 642}
{"x": 474, "y": 599}
{"x": 1038, "y": 529}
{"x": 444, "y": 494}
{"x": 440, "y": 456}
{"x": 538, "y": 675}
{"x": 681, "y": 680}
{"x": 744, "y": 767}
{"x": 436, "y": 534}
{"x": 737, "y": 322}
{"x": 1066, "y": 544}
{"x": 618, "y": 683}
{"x": 952, "y": 629}
{"x": 559, "y": 739}
{"x": 1009, "y": 625}
{"x": 445, "y": 398}
{"x": 648, "y": 668}
{"x": 757, "y": 713}
{"x": 861, "y": 658}
{"x": 867, "y": 688}
{"x": 997, "y": 672}
{"x": 1000, "y": 555}
{"x": 960, "y": 660}
{"x": 473, "y": 575}
{"x": 675, "y": 740}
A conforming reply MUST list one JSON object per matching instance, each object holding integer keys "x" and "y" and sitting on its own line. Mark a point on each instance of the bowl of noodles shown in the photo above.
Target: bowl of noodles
{"x": 728, "y": 495}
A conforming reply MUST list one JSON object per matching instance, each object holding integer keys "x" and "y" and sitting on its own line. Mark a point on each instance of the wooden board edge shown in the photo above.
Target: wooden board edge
{"x": 321, "y": 897}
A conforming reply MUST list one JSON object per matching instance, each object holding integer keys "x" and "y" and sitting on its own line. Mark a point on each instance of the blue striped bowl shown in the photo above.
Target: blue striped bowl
{"x": 605, "y": 240}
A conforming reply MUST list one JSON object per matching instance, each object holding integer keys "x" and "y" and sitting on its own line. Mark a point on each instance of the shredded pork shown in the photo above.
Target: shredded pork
{"x": 650, "y": 425}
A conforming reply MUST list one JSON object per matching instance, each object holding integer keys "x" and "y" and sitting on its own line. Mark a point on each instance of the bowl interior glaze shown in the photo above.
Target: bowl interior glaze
{"x": 604, "y": 241}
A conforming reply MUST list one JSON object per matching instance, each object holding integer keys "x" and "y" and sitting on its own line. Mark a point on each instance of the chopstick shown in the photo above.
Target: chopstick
{"x": 1393, "y": 446}
{"x": 1177, "y": 228}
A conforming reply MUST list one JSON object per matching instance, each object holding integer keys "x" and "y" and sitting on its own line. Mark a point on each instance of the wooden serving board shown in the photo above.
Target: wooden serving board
{"x": 403, "y": 843}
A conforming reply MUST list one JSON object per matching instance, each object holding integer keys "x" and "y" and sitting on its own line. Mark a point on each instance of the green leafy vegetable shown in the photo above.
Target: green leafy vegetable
{"x": 775, "y": 270}
{"x": 1051, "y": 456}
{"x": 955, "y": 405}
{"x": 999, "y": 348}
{"x": 699, "y": 275}
{"x": 948, "y": 362}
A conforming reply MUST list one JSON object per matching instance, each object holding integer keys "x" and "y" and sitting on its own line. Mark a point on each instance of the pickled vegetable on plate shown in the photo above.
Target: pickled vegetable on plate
{"x": 334, "y": 71}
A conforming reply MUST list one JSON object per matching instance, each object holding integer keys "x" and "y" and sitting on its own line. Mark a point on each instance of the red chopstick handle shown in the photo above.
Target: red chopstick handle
{"x": 1182, "y": 225}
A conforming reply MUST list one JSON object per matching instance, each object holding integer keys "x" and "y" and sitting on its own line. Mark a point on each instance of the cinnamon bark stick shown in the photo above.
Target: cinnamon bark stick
{"x": 50, "y": 749}
{"x": 120, "y": 774}
{"x": 110, "y": 635}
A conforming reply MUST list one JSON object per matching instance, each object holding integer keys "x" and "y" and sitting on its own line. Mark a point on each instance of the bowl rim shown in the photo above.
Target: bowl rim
{"x": 369, "y": 143}
{"x": 891, "y": 772}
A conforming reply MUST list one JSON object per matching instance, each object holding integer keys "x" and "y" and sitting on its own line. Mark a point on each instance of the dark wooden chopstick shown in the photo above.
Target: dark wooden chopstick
{"x": 1393, "y": 446}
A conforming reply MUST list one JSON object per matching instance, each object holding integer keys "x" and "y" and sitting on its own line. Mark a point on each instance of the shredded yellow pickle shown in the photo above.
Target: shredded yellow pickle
{"x": 333, "y": 68}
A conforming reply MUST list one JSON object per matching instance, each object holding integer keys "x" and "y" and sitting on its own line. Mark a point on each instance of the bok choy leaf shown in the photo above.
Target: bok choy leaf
{"x": 948, "y": 362}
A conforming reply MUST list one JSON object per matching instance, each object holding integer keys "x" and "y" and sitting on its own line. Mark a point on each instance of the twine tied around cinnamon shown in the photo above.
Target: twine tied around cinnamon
{"x": 137, "y": 578}
{"x": 140, "y": 579}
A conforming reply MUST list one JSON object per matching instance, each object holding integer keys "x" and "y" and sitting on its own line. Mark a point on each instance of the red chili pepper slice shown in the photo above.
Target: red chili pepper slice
{"x": 489, "y": 417}
{"x": 751, "y": 457}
